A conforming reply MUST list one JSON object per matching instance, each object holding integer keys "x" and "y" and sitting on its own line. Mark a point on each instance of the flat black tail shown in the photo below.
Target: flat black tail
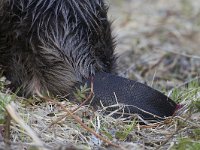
{"x": 139, "y": 98}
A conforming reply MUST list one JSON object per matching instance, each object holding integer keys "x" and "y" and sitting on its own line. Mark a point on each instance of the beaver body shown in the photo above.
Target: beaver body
{"x": 51, "y": 45}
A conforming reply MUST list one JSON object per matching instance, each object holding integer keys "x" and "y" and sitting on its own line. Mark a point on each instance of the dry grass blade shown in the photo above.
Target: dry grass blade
{"x": 79, "y": 121}
{"x": 14, "y": 115}
{"x": 88, "y": 98}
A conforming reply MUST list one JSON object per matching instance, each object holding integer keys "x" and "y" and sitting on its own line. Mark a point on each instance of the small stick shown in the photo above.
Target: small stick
{"x": 78, "y": 120}
{"x": 89, "y": 97}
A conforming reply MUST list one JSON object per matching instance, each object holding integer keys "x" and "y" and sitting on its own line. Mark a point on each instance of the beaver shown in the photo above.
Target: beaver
{"x": 53, "y": 45}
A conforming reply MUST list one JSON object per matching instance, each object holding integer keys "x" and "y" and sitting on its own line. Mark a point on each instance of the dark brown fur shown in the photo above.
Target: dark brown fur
{"x": 49, "y": 45}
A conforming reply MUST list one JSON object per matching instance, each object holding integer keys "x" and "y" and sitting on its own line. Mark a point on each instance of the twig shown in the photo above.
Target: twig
{"x": 89, "y": 97}
{"x": 78, "y": 120}
{"x": 171, "y": 136}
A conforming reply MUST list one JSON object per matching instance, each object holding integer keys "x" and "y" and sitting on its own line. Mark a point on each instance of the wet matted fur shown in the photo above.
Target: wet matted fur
{"x": 49, "y": 45}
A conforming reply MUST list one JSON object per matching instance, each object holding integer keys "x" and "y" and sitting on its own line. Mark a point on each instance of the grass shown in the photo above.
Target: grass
{"x": 179, "y": 133}
{"x": 160, "y": 44}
